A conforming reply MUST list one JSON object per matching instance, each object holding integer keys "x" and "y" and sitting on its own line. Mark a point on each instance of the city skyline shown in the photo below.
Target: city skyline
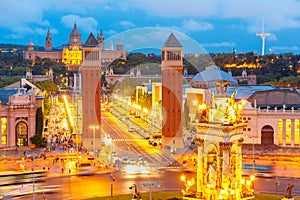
{"x": 216, "y": 26}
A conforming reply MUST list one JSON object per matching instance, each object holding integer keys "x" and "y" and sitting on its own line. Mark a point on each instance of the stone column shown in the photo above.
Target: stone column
{"x": 292, "y": 132}
{"x": 238, "y": 164}
{"x": 284, "y": 132}
{"x": 80, "y": 82}
{"x": 200, "y": 174}
{"x": 11, "y": 134}
{"x": 220, "y": 168}
{"x": 75, "y": 82}
{"x": 225, "y": 149}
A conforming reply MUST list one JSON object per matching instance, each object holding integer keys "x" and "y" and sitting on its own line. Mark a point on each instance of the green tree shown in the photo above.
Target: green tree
{"x": 38, "y": 139}
{"x": 48, "y": 86}
{"x": 7, "y": 81}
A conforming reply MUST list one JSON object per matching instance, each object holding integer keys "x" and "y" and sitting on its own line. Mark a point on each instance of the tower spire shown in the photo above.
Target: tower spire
{"x": 263, "y": 36}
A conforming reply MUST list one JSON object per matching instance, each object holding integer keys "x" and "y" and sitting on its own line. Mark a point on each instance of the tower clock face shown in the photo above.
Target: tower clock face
{"x": 75, "y": 39}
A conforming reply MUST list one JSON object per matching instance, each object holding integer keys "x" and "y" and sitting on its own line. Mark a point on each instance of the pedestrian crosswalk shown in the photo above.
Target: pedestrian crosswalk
{"x": 129, "y": 140}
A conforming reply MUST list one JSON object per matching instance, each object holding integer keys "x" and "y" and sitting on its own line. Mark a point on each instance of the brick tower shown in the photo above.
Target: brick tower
{"x": 48, "y": 44}
{"x": 171, "y": 67}
{"x": 91, "y": 90}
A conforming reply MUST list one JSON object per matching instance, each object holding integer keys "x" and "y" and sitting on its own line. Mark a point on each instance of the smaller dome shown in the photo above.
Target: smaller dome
{"x": 213, "y": 73}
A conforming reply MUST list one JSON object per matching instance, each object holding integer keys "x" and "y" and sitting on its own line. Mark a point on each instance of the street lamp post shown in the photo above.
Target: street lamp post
{"x": 94, "y": 127}
{"x": 111, "y": 165}
{"x": 252, "y": 177}
{"x": 151, "y": 185}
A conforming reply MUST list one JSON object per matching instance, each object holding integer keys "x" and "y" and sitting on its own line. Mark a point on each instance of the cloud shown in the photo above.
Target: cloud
{"x": 277, "y": 14}
{"x": 277, "y": 49}
{"x": 192, "y": 25}
{"x": 86, "y": 24}
{"x": 126, "y": 23}
{"x": 272, "y": 37}
{"x": 190, "y": 8}
{"x": 154, "y": 37}
{"x": 220, "y": 44}
{"x": 110, "y": 32}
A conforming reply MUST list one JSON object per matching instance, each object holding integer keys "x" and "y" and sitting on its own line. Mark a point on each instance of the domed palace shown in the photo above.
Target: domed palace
{"x": 71, "y": 53}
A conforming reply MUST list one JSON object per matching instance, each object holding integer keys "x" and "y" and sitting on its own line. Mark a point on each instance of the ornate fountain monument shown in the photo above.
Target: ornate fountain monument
{"x": 219, "y": 139}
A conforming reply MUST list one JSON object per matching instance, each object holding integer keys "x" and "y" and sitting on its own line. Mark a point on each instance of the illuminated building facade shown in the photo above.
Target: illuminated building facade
{"x": 71, "y": 53}
{"x": 18, "y": 113}
{"x": 171, "y": 70}
{"x": 272, "y": 113}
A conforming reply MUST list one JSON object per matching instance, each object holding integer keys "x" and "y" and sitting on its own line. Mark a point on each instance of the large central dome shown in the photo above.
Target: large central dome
{"x": 75, "y": 36}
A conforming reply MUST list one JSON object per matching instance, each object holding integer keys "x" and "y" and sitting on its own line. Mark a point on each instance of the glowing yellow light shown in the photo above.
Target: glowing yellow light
{"x": 232, "y": 192}
{"x": 202, "y": 107}
{"x": 182, "y": 177}
{"x": 243, "y": 181}
{"x": 252, "y": 177}
{"x": 189, "y": 182}
{"x": 248, "y": 182}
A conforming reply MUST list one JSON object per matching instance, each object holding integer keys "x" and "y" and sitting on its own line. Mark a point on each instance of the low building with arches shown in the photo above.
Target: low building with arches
{"x": 18, "y": 114}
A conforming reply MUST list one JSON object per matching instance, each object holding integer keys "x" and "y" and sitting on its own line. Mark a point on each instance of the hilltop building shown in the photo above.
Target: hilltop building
{"x": 71, "y": 53}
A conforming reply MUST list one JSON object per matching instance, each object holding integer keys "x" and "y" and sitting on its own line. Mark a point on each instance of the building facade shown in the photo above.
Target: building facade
{"x": 18, "y": 113}
{"x": 272, "y": 114}
{"x": 71, "y": 53}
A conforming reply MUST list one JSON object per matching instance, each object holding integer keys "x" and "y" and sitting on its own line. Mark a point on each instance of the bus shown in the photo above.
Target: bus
{"x": 266, "y": 171}
{"x": 86, "y": 169}
{"x": 21, "y": 177}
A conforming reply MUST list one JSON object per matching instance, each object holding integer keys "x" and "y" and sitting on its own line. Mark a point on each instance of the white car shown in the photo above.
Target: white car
{"x": 132, "y": 161}
{"x": 142, "y": 160}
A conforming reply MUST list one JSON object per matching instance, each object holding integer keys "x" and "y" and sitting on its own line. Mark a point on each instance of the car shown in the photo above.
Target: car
{"x": 141, "y": 159}
{"x": 86, "y": 169}
{"x": 114, "y": 154}
{"x": 125, "y": 160}
{"x": 155, "y": 140}
{"x": 131, "y": 129}
{"x": 132, "y": 161}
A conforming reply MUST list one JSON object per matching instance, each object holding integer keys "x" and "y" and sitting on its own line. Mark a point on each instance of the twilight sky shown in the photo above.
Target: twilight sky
{"x": 213, "y": 25}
